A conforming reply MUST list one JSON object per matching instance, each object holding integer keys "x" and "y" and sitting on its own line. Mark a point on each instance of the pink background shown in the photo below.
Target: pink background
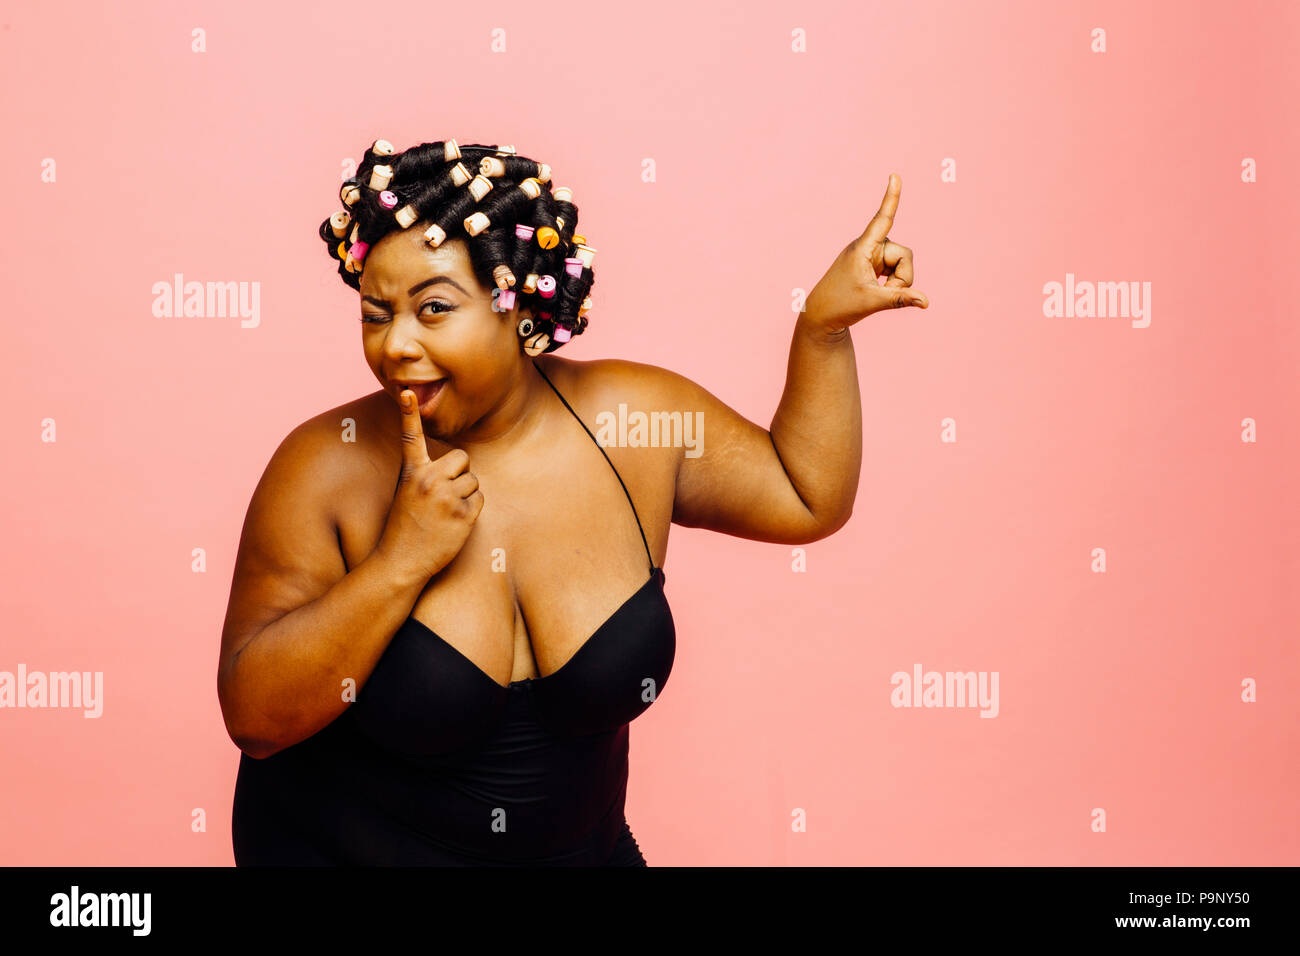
{"x": 1119, "y": 690}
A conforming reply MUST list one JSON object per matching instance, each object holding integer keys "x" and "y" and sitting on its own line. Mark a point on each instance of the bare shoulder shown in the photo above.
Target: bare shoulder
{"x": 289, "y": 550}
{"x": 606, "y": 382}
{"x": 331, "y": 450}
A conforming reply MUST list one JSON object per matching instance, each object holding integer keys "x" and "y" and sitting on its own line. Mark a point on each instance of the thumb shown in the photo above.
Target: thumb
{"x": 894, "y": 296}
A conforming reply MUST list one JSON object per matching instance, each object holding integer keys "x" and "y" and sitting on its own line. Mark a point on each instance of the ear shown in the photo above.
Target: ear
{"x": 514, "y": 317}
{"x": 519, "y": 313}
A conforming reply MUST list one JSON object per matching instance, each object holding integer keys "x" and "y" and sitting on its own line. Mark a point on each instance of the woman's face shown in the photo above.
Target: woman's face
{"x": 426, "y": 318}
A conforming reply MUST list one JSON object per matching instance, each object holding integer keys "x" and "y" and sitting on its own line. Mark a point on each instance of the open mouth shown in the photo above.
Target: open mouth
{"x": 425, "y": 392}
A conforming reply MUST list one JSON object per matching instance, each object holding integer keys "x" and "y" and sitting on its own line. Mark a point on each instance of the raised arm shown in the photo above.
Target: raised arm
{"x": 795, "y": 482}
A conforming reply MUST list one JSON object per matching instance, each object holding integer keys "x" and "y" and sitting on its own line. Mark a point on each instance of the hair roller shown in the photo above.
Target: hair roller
{"x": 540, "y": 266}
{"x": 337, "y": 225}
{"x": 521, "y": 255}
{"x": 380, "y": 177}
{"x": 422, "y": 164}
{"x": 502, "y": 205}
{"x": 542, "y": 212}
{"x": 566, "y": 214}
{"x": 570, "y": 293}
{"x": 479, "y": 187}
{"x": 335, "y": 245}
{"x": 518, "y": 231}
{"x": 453, "y": 213}
{"x": 510, "y": 167}
{"x": 539, "y": 342}
{"x": 429, "y": 198}
{"x": 496, "y": 246}
{"x": 583, "y": 252}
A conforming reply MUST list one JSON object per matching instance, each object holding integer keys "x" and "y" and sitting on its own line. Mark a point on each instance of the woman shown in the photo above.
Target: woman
{"x": 403, "y": 662}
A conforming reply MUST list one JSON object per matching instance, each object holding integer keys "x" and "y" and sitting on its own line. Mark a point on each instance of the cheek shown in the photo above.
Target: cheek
{"x": 492, "y": 351}
{"x": 479, "y": 362}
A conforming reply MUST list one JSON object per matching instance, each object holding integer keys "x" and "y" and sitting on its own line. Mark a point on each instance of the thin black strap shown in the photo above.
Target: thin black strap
{"x": 611, "y": 464}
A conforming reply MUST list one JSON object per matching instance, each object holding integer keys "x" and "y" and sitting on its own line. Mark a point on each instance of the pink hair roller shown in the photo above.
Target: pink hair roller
{"x": 573, "y": 267}
{"x": 506, "y": 300}
{"x": 388, "y": 199}
{"x": 358, "y": 250}
{"x": 546, "y": 286}
{"x": 561, "y": 334}
{"x": 523, "y": 232}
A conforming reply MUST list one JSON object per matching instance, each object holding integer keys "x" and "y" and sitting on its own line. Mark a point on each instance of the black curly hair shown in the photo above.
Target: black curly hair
{"x": 518, "y": 231}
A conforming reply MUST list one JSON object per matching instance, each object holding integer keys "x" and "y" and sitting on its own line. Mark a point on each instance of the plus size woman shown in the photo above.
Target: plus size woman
{"x": 448, "y": 603}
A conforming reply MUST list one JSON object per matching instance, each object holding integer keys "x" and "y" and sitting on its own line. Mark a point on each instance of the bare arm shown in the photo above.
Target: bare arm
{"x": 793, "y": 483}
{"x": 796, "y": 481}
{"x": 286, "y": 681}
{"x": 817, "y": 428}
{"x": 298, "y": 623}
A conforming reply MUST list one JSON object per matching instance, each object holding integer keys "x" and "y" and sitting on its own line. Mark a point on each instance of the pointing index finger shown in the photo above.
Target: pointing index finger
{"x": 414, "y": 450}
{"x": 878, "y": 229}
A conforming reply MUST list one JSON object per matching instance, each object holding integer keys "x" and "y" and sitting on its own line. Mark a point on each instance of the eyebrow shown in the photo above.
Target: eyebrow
{"x": 416, "y": 288}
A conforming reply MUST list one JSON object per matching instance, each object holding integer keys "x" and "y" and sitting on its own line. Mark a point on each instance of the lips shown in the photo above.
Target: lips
{"x": 423, "y": 390}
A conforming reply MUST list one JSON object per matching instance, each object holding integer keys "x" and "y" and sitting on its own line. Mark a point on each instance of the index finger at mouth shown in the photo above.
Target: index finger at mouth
{"x": 414, "y": 449}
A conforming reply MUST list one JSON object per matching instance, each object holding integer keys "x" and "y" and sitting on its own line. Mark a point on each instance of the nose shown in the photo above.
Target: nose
{"x": 402, "y": 337}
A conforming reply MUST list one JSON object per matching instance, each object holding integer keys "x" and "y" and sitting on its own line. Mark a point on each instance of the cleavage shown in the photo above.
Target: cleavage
{"x": 494, "y": 624}
{"x": 592, "y": 638}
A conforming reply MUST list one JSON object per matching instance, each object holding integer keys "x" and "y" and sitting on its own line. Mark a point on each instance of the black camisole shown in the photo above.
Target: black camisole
{"x": 436, "y": 764}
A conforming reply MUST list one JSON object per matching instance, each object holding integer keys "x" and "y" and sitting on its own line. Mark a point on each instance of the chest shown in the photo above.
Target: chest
{"x": 556, "y": 551}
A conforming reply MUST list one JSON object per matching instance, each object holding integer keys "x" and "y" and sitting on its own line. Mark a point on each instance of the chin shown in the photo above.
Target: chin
{"x": 434, "y": 429}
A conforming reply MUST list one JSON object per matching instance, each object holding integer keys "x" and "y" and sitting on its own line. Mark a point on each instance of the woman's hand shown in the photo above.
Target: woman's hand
{"x": 851, "y": 290}
{"x": 436, "y": 502}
